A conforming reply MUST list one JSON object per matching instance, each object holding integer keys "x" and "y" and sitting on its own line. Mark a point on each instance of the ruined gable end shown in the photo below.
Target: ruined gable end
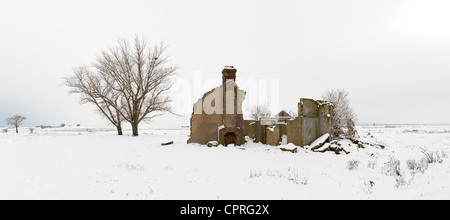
{"x": 218, "y": 115}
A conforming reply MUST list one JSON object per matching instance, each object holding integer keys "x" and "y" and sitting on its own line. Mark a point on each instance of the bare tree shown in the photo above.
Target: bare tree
{"x": 344, "y": 118}
{"x": 94, "y": 90}
{"x": 131, "y": 81}
{"x": 16, "y": 121}
{"x": 260, "y": 111}
{"x": 293, "y": 114}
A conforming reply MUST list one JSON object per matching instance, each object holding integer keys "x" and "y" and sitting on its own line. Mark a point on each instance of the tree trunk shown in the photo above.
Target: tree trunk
{"x": 119, "y": 130}
{"x": 134, "y": 126}
{"x": 17, "y": 129}
{"x": 119, "y": 122}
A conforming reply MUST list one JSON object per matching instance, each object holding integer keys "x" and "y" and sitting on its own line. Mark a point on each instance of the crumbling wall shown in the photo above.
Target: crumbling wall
{"x": 205, "y": 124}
{"x": 218, "y": 112}
{"x": 275, "y": 133}
{"x": 273, "y": 136}
{"x": 325, "y": 112}
{"x": 250, "y": 128}
{"x": 314, "y": 121}
{"x": 294, "y": 131}
{"x": 260, "y": 133}
{"x": 309, "y": 130}
{"x": 218, "y": 116}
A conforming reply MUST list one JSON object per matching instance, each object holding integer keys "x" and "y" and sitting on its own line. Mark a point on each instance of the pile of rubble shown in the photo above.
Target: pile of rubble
{"x": 337, "y": 146}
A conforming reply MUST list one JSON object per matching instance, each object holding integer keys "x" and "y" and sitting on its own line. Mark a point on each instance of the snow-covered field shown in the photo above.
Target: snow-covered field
{"x": 88, "y": 163}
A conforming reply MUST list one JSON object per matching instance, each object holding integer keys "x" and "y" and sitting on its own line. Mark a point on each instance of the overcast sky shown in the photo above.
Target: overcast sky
{"x": 392, "y": 56}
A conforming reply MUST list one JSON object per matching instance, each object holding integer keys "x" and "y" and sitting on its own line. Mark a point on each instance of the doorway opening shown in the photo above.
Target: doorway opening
{"x": 229, "y": 138}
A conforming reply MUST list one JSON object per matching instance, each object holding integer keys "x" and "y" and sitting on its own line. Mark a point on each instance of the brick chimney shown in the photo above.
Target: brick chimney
{"x": 229, "y": 72}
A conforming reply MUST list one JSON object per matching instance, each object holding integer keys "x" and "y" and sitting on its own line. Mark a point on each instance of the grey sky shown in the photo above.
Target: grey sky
{"x": 392, "y": 56}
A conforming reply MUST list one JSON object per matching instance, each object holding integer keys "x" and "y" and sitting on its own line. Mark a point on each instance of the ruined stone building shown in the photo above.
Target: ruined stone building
{"x": 218, "y": 117}
{"x": 313, "y": 121}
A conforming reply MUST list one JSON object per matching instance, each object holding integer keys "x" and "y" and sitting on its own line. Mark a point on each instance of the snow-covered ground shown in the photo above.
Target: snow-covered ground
{"x": 89, "y": 163}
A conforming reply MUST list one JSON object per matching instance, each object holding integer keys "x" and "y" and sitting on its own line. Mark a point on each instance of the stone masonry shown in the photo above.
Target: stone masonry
{"x": 218, "y": 116}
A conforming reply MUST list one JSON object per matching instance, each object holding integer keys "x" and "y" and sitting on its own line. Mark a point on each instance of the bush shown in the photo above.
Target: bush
{"x": 352, "y": 164}
{"x": 5, "y": 130}
{"x": 392, "y": 167}
{"x": 422, "y": 165}
{"x": 295, "y": 178}
{"x": 344, "y": 118}
{"x": 372, "y": 164}
{"x": 412, "y": 164}
{"x": 432, "y": 157}
{"x": 400, "y": 181}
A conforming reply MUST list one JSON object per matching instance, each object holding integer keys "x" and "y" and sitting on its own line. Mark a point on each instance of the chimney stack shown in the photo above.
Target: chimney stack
{"x": 228, "y": 73}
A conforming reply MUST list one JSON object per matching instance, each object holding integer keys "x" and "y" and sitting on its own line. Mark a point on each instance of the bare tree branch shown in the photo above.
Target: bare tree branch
{"x": 260, "y": 111}
{"x": 94, "y": 90}
{"x": 344, "y": 118}
{"x": 130, "y": 81}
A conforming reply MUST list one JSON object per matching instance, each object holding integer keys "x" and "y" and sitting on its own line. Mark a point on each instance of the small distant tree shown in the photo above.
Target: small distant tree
{"x": 16, "y": 121}
{"x": 344, "y": 118}
{"x": 260, "y": 111}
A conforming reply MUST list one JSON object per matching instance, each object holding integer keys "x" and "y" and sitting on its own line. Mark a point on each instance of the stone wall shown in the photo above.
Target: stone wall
{"x": 250, "y": 128}
{"x": 218, "y": 116}
{"x": 218, "y": 112}
{"x": 314, "y": 121}
{"x": 294, "y": 131}
{"x": 204, "y": 124}
{"x": 274, "y": 134}
{"x": 260, "y": 133}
